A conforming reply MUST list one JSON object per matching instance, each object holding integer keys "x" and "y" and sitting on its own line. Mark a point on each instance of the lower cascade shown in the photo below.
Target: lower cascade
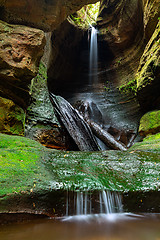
{"x": 83, "y": 203}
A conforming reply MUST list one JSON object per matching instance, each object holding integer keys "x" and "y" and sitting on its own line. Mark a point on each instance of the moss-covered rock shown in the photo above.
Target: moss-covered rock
{"x": 34, "y": 179}
{"x": 41, "y": 122}
{"x": 12, "y": 117}
{"x": 150, "y": 123}
{"x": 149, "y": 143}
{"x": 148, "y": 85}
{"x": 151, "y": 14}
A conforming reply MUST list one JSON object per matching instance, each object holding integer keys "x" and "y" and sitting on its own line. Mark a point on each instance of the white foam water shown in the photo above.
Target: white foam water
{"x": 84, "y": 203}
{"x": 93, "y": 60}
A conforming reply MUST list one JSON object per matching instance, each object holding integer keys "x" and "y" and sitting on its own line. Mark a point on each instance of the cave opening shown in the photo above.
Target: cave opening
{"x": 68, "y": 77}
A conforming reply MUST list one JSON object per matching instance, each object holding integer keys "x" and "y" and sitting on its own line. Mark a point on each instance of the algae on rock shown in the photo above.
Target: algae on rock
{"x": 150, "y": 123}
{"x": 33, "y": 178}
{"x": 41, "y": 122}
{"x": 12, "y": 117}
{"x": 148, "y": 74}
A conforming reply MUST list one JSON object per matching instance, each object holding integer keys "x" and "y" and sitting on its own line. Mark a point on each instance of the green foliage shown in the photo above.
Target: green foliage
{"x": 40, "y": 79}
{"x": 130, "y": 87}
{"x": 86, "y": 16}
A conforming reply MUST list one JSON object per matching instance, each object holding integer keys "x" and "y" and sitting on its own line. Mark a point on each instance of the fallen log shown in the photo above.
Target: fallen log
{"x": 74, "y": 123}
{"x": 105, "y": 137}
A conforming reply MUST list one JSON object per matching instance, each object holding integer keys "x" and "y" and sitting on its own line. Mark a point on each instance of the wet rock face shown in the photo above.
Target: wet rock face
{"x": 121, "y": 27}
{"x": 43, "y": 14}
{"x": 50, "y": 136}
{"x": 122, "y": 22}
{"x": 41, "y": 123}
{"x": 20, "y": 51}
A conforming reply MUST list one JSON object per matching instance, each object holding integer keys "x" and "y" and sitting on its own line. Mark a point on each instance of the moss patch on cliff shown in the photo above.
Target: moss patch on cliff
{"x": 12, "y": 117}
{"x": 32, "y": 177}
{"x": 149, "y": 68}
{"x": 86, "y": 16}
{"x": 20, "y": 164}
{"x": 26, "y": 166}
{"x": 129, "y": 88}
{"x": 150, "y": 123}
{"x": 150, "y": 143}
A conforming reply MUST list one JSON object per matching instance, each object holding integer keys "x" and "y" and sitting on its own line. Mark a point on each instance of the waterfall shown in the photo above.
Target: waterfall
{"x": 93, "y": 60}
{"x": 83, "y": 203}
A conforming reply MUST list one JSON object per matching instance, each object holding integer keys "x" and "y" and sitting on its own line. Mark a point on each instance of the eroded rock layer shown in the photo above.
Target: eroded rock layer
{"x": 46, "y": 15}
{"x": 20, "y": 51}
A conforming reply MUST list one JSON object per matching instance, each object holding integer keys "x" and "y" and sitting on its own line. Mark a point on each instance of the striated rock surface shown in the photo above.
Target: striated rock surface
{"x": 121, "y": 22}
{"x": 151, "y": 14}
{"x": 46, "y": 15}
{"x": 12, "y": 117}
{"x": 20, "y": 51}
{"x": 148, "y": 75}
{"x": 121, "y": 27}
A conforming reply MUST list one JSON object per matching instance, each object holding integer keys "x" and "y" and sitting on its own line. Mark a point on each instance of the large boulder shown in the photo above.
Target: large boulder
{"x": 150, "y": 123}
{"x": 21, "y": 48}
{"x": 41, "y": 14}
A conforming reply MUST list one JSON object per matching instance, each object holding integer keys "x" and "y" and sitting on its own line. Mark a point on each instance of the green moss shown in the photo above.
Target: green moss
{"x": 86, "y": 16}
{"x": 12, "y": 117}
{"x": 39, "y": 81}
{"x": 149, "y": 68}
{"x": 26, "y": 166}
{"x": 150, "y": 143}
{"x": 130, "y": 87}
{"x": 150, "y": 123}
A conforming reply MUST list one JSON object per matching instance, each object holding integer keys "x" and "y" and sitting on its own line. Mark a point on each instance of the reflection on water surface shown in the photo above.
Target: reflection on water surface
{"x": 89, "y": 227}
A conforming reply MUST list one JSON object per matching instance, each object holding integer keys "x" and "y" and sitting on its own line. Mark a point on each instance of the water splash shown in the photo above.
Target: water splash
{"x": 83, "y": 203}
{"x": 93, "y": 60}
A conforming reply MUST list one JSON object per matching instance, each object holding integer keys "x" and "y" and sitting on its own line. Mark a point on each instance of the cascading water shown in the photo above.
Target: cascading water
{"x": 83, "y": 203}
{"x": 93, "y": 59}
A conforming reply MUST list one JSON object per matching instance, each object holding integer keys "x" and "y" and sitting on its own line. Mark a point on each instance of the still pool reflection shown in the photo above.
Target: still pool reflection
{"x": 89, "y": 227}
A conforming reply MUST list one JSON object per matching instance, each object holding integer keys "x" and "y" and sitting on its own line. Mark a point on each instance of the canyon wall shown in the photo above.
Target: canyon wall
{"x": 130, "y": 30}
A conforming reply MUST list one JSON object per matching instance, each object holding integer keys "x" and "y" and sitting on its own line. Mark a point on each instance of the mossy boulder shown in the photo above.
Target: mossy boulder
{"x": 41, "y": 122}
{"x": 12, "y": 117}
{"x": 34, "y": 179}
{"x": 148, "y": 74}
{"x": 150, "y": 123}
{"x": 149, "y": 143}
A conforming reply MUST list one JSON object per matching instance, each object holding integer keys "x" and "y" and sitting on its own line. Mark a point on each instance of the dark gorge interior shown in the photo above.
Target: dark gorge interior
{"x": 69, "y": 77}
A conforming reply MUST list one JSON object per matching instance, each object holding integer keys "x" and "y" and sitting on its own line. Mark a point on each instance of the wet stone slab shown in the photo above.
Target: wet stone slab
{"x": 34, "y": 179}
